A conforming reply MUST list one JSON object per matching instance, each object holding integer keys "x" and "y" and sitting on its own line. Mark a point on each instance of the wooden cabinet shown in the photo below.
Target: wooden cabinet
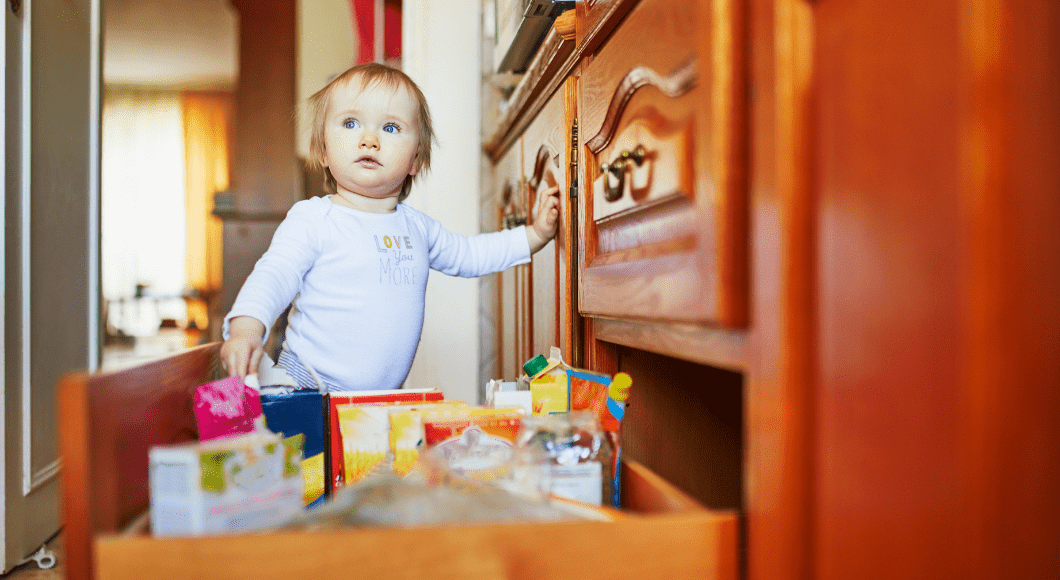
{"x": 663, "y": 212}
{"x": 830, "y": 269}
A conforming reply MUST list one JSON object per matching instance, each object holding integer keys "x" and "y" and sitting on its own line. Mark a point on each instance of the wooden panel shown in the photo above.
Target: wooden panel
{"x": 266, "y": 175}
{"x": 108, "y": 422}
{"x": 1010, "y": 400}
{"x": 266, "y": 172}
{"x": 720, "y": 348}
{"x": 780, "y": 388}
{"x": 546, "y": 145}
{"x": 596, "y": 20}
{"x": 635, "y": 44}
{"x": 685, "y": 422}
{"x": 507, "y": 179}
{"x": 673, "y": 245}
{"x": 888, "y": 281}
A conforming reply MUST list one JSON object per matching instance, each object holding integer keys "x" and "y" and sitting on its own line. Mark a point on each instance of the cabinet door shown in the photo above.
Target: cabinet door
{"x": 664, "y": 211}
{"x": 510, "y": 203}
{"x": 546, "y": 147}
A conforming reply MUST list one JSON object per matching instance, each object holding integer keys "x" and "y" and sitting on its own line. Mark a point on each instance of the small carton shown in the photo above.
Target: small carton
{"x": 227, "y": 485}
{"x": 502, "y": 395}
{"x": 549, "y": 390}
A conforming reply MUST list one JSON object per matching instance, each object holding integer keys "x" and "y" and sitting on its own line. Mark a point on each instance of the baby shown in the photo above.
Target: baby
{"x": 353, "y": 265}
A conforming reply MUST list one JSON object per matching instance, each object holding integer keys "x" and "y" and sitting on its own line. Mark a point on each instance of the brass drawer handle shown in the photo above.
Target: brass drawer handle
{"x": 637, "y": 156}
{"x": 618, "y": 169}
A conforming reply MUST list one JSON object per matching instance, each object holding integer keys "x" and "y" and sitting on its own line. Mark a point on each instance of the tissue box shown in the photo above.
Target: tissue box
{"x": 294, "y": 411}
{"x": 228, "y": 485}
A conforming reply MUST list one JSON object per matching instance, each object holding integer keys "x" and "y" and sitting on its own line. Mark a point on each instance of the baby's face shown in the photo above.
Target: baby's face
{"x": 371, "y": 138}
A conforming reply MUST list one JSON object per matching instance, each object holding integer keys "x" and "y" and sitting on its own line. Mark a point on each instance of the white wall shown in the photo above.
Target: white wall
{"x": 441, "y": 52}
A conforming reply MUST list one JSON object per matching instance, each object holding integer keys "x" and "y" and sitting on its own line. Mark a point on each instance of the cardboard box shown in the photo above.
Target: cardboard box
{"x": 228, "y": 485}
{"x": 333, "y": 436}
{"x": 294, "y": 411}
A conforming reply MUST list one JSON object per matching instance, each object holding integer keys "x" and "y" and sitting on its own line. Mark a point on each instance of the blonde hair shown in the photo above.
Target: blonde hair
{"x": 369, "y": 74}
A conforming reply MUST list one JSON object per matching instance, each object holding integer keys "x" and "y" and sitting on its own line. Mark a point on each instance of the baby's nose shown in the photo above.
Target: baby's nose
{"x": 368, "y": 139}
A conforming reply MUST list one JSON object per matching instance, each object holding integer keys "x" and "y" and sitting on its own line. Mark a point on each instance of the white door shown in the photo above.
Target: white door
{"x": 50, "y": 246}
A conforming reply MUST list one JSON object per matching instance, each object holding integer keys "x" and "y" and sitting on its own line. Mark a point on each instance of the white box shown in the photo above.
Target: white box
{"x": 228, "y": 485}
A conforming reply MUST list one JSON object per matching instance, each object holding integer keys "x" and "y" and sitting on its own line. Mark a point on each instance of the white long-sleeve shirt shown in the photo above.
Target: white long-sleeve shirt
{"x": 358, "y": 282}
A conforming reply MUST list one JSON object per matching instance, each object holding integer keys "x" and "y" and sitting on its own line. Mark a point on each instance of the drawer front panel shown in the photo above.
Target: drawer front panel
{"x": 664, "y": 212}
{"x": 510, "y": 206}
{"x": 546, "y": 145}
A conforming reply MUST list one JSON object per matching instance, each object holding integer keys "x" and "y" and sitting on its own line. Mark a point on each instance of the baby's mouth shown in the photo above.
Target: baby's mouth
{"x": 368, "y": 160}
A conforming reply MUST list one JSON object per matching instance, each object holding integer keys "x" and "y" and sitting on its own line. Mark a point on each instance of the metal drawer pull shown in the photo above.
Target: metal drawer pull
{"x": 618, "y": 169}
{"x": 637, "y": 155}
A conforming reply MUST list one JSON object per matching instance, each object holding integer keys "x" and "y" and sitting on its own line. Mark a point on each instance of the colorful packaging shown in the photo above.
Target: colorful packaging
{"x": 501, "y": 424}
{"x": 406, "y": 431}
{"x": 334, "y": 465}
{"x": 585, "y": 390}
{"x": 473, "y": 444}
{"x": 605, "y": 397}
{"x": 365, "y": 432}
{"x": 227, "y": 485}
{"x": 548, "y": 384}
{"x": 226, "y": 407}
{"x": 293, "y": 411}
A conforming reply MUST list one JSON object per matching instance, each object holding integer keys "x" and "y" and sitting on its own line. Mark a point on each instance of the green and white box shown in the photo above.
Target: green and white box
{"x": 228, "y": 485}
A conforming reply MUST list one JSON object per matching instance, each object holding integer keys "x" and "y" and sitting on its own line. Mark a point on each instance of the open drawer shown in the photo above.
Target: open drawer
{"x": 110, "y": 420}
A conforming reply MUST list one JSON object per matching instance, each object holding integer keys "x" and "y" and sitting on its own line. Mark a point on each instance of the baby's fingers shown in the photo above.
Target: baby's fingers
{"x": 255, "y": 360}
{"x": 236, "y": 363}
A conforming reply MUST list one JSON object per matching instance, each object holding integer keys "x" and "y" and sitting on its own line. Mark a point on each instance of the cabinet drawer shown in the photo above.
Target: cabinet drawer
{"x": 664, "y": 208}
{"x": 666, "y": 535}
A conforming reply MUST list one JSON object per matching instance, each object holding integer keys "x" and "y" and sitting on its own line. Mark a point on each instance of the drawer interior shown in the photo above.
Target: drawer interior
{"x": 662, "y": 536}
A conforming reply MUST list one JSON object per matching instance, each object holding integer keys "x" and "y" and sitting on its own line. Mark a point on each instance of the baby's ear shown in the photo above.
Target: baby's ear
{"x": 415, "y": 164}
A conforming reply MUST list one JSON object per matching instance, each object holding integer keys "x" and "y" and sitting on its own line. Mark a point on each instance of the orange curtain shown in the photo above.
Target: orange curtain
{"x": 208, "y": 118}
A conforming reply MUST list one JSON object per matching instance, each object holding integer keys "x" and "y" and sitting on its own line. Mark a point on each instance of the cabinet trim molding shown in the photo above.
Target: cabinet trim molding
{"x": 681, "y": 80}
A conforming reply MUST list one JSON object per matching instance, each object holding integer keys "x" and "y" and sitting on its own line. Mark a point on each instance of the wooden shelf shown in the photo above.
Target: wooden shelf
{"x": 717, "y": 347}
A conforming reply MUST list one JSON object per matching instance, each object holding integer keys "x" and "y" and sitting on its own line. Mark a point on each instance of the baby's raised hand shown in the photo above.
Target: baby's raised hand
{"x": 546, "y": 219}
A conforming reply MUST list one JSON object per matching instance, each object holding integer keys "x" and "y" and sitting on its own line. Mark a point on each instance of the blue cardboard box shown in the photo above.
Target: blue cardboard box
{"x": 294, "y": 410}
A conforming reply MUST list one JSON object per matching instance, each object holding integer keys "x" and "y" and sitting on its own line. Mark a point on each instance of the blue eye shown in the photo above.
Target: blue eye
{"x": 391, "y": 128}
{"x": 349, "y": 124}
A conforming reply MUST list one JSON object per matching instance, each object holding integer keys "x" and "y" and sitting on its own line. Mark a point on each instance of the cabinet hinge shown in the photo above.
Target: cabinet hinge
{"x": 574, "y": 160}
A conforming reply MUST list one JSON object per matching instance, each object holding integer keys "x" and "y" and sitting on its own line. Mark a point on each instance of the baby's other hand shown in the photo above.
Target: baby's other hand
{"x": 546, "y": 219}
